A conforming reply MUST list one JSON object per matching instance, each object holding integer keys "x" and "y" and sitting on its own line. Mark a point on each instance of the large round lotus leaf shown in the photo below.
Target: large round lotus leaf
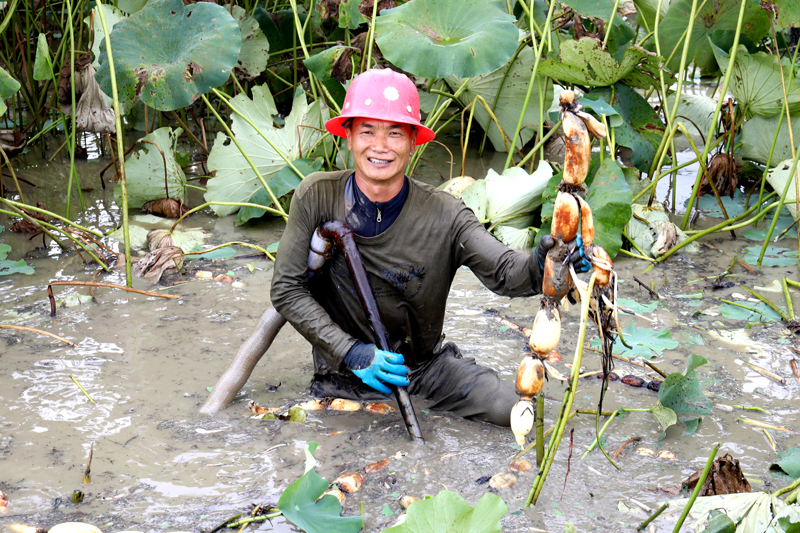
{"x": 717, "y": 15}
{"x": 437, "y": 38}
{"x": 168, "y": 55}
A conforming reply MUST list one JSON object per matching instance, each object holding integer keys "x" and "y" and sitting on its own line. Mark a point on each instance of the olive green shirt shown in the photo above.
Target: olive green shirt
{"x": 411, "y": 266}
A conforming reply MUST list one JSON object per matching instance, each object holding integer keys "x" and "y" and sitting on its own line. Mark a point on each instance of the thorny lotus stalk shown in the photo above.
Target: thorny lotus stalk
{"x": 571, "y": 214}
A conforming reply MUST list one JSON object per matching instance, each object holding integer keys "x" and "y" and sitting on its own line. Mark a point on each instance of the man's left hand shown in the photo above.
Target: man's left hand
{"x": 576, "y": 255}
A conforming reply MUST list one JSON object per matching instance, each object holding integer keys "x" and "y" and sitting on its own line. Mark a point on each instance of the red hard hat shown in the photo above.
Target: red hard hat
{"x": 382, "y": 94}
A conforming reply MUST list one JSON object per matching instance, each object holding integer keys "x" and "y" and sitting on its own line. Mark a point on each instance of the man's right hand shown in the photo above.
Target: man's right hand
{"x": 384, "y": 367}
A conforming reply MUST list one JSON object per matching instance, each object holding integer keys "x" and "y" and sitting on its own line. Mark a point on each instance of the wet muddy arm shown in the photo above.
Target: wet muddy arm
{"x": 499, "y": 268}
{"x": 291, "y": 294}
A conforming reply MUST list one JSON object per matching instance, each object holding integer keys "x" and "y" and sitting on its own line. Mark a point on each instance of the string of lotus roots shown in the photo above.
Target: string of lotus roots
{"x": 571, "y": 214}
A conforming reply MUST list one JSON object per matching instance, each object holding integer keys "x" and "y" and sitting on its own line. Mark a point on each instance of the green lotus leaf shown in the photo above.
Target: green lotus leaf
{"x": 774, "y": 256}
{"x": 113, "y": 16}
{"x": 449, "y": 512}
{"x": 8, "y": 86}
{"x": 757, "y": 135}
{"x": 665, "y": 416}
{"x": 789, "y": 462}
{"x": 235, "y": 180}
{"x": 646, "y": 343}
{"x": 756, "y": 82}
{"x": 762, "y": 312}
{"x": 279, "y": 26}
{"x": 321, "y": 64}
{"x": 788, "y": 13}
{"x": 42, "y": 65}
{"x": 130, "y": 6}
{"x": 169, "y": 54}
{"x": 512, "y": 89}
{"x": 438, "y": 38}
{"x": 584, "y": 62}
{"x": 349, "y": 15}
{"x": 682, "y": 392}
{"x": 715, "y": 16}
{"x": 144, "y": 170}
{"x": 646, "y": 12}
{"x": 642, "y": 129}
{"x": 8, "y": 267}
{"x": 601, "y": 9}
{"x": 254, "y": 53}
{"x": 299, "y": 504}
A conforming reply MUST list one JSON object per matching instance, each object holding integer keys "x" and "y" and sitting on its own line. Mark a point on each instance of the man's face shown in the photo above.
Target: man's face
{"x": 381, "y": 149}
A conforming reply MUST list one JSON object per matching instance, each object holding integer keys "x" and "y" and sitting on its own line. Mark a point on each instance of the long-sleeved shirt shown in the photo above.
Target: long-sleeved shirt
{"x": 411, "y": 266}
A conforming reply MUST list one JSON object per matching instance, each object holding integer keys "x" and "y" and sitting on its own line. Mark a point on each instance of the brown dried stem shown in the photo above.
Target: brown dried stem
{"x": 40, "y": 332}
{"x": 98, "y": 284}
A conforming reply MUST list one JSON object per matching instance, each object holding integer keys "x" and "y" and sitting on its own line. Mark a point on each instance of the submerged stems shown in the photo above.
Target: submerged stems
{"x": 120, "y": 146}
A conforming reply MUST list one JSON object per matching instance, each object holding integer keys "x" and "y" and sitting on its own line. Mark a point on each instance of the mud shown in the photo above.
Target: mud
{"x": 160, "y": 465}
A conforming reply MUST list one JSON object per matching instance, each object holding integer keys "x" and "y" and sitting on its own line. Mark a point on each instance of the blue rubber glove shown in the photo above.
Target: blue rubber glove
{"x": 577, "y": 257}
{"x": 382, "y": 368}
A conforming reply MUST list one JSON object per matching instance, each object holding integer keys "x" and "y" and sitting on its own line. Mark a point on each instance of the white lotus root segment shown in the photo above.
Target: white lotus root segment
{"x": 391, "y": 94}
{"x": 522, "y": 420}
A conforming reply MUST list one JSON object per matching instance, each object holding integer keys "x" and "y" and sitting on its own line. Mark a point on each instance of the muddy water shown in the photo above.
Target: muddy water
{"x": 160, "y": 465}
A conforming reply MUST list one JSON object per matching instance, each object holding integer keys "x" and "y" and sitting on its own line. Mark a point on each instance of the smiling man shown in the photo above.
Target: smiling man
{"x": 412, "y": 238}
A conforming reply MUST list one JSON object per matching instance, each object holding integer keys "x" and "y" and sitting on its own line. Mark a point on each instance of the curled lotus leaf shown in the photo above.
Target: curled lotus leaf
{"x": 8, "y": 86}
{"x": 584, "y": 62}
{"x": 254, "y": 54}
{"x": 169, "y": 54}
{"x": 437, "y": 38}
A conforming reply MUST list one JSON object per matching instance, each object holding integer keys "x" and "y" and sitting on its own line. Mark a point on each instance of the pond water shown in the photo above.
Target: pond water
{"x": 158, "y": 464}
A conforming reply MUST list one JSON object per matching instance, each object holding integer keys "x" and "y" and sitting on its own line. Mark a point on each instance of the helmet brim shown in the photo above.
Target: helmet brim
{"x": 424, "y": 134}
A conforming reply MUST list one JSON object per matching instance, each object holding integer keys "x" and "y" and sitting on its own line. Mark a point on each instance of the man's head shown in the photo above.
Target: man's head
{"x": 381, "y": 120}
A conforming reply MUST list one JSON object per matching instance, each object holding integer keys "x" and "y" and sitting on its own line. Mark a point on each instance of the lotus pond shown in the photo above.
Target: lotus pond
{"x": 149, "y": 152}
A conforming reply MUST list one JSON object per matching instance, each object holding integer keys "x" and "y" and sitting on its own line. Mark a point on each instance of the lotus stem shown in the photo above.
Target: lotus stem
{"x": 789, "y": 124}
{"x": 40, "y": 332}
{"x": 788, "y": 488}
{"x": 371, "y": 37}
{"x": 643, "y": 525}
{"x": 13, "y": 174}
{"x": 771, "y": 229}
{"x": 705, "y": 171}
{"x": 50, "y": 214}
{"x": 35, "y": 222}
{"x": 522, "y": 44}
{"x": 769, "y": 159}
{"x": 120, "y": 146}
{"x": 630, "y": 240}
{"x": 711, "y": 457}
{"x": 98, "y": 284}
{"x": 610, "y": 23}
{"x": 636, "y": 256}
{"x": 788, "y": 297}
{"x": 73, "y": 134}
{"x": 600, "y": 434}
{"x": 569, "y": 396}
{"x": 539, "y": 429}
{"x": 248, "y": 245}
{"x": 240, "y": 204}
{"x": 534, "y": 73}
{"x": 765, "y": 300}
{"x": 84, "y": 392}
{"x": 254, "y": 519}
{"x": 540, "y": 143}
{"x": 715, "y": 120}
